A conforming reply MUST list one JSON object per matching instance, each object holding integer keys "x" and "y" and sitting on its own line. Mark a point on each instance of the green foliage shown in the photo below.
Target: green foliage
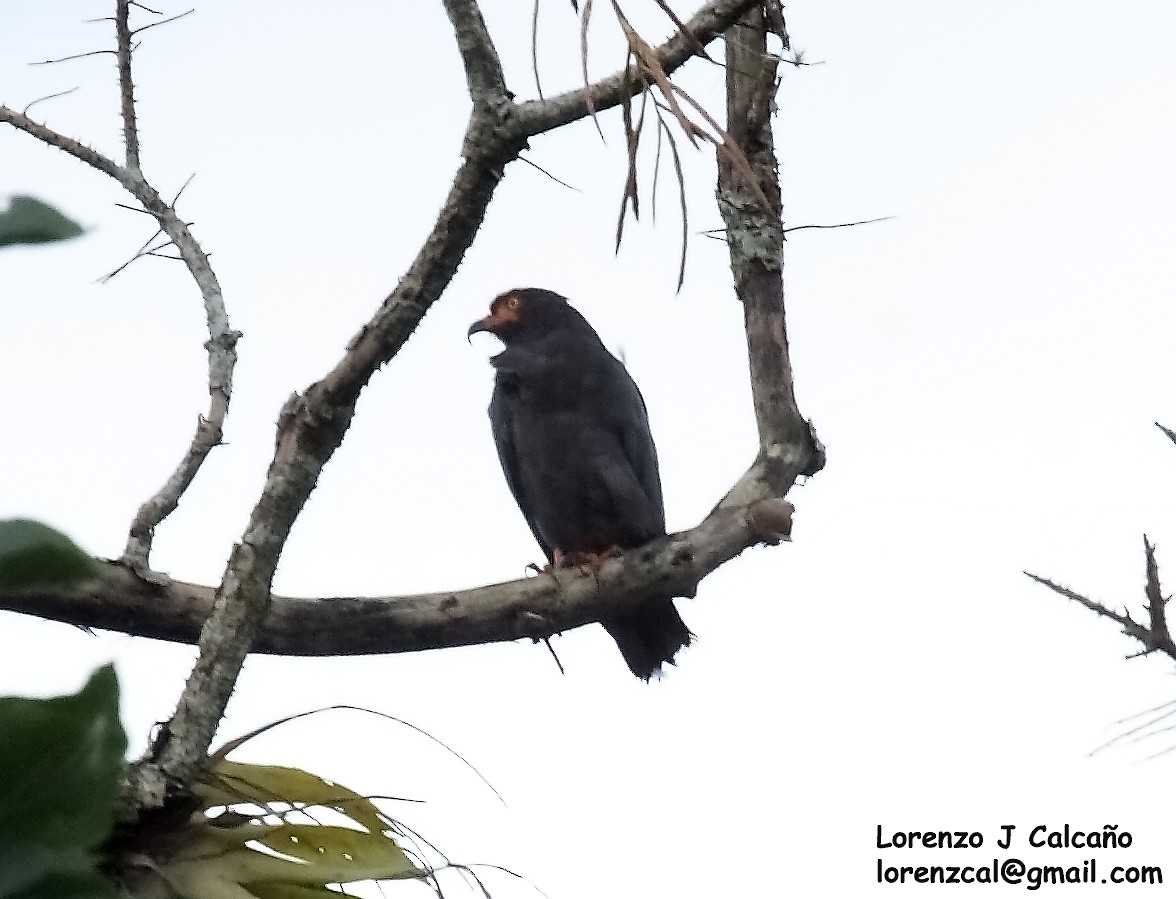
{"x": 61, "y": 764}
{"x": 28, "y": 220}
{"x": 33, "y": 554}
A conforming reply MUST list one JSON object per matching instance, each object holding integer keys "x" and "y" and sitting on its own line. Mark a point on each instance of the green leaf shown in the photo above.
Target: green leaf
{"x": 28, "y": 220}
{"x": 36, "y": 872}
{"x": 33, "y": 554}
{"x": 61, "y": 763}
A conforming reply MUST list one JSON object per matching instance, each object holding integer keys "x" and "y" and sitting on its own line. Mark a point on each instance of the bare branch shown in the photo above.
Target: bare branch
{"x": 1156, "y": 602}
{"x": 25, "y": 111}
{"x": 166, "y": 21}
{"x": 50, "y": 62}
{"x": 74, "y": 148}
{"x": 755, "y": 237}
{"x": 1094, "y": 605}
{"x": 1151, "y": 640}
{"x": 126, "y": 87}
{"x": 884, "y": 218}
{"x": 532, "y": 608}
{"x": 537, "y": 116}
{"x": 482, "y": 66}
{"x": 221, "y": 345}
{"x": 774, "y": 15}
{"x": 1171, "y": 434}
{"x": 533, "y": 164}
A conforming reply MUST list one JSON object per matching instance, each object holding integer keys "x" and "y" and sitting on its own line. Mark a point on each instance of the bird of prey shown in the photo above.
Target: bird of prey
{"x": 574, "y": 442}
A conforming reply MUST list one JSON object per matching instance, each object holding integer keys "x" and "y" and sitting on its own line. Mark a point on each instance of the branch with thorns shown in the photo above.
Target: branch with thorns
{"x": 221, "y": 345}
{"x": 1155, "y": 635}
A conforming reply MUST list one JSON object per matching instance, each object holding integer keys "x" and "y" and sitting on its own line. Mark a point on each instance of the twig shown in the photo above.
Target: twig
{"x": 50, "y": 62}
{"x": 1151, "y": 639}
{"x": 166, "y": 21}
{"x": 536, "y": 165}
{"x": 1170, "y": 433}
{"x": 25, "y": 111}
{"x": 884, "y": 218}
{"x": 1156, "y": 602}
{"x": 126, "y": 86}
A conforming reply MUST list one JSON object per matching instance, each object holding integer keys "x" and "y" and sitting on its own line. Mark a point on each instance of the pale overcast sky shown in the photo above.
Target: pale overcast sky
{"x": 985, "y": 370}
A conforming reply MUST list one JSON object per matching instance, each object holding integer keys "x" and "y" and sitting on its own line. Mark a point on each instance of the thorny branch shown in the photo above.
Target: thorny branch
{"x": 1155, "y": 635}
{"x": 126, "y": 86}
{"x": 221, "y": 345}
{"x": 313, "y": 423}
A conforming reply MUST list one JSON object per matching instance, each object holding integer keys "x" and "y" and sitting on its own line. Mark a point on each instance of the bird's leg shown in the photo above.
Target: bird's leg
{"x": 588, "y": 562}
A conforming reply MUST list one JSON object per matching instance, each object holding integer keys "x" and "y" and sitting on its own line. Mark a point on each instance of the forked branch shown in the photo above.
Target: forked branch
{"x": 1155, "y": 635}
{"x": 222, "y": 340}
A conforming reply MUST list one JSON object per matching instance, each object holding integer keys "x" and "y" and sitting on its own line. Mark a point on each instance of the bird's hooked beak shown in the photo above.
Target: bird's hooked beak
{"x": 482, "y": 324}
{"x": 500, "y": 322}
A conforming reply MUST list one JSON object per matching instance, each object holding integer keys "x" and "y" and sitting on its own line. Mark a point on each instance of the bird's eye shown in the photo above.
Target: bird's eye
{"x": 512, "y": 304}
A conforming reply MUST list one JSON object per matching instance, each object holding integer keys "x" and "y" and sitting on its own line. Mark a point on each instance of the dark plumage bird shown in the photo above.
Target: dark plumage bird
{"x": 574, "y": 442}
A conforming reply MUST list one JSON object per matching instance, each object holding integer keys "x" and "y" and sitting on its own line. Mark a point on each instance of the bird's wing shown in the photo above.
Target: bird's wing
{"x": 638, "y": 447}
{"x": 502, "y": 427}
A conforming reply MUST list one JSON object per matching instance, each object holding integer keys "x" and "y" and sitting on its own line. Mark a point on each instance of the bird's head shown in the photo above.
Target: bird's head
{"x": 527, "y": 312}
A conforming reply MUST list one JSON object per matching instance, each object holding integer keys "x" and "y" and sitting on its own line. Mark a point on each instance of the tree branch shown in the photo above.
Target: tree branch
{"x": 1168, "y": 432}
{"x": 1155, "y": 635}
{"x": 755, "y": 238}
{"x": 221, "y": 345}
{"x": 537, "y": 116}
{"x": 1132, "y": 628}
{"x": 482, "y": 66}
{"x": 126, "y": 87}
{"x": 534, "y": 607}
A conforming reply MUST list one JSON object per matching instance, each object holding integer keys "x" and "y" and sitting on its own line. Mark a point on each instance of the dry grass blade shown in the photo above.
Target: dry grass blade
{"x": 585, "y": 17}
{"x": 633, "y": 139}
{"x": 727, "y": 147}
{"x": 231, "y": 745}
{"x": 657, "y": 150}
{"x": 535, "y": 48}
{"x": 652, "y": 70}
{"x": 681, "y": 195}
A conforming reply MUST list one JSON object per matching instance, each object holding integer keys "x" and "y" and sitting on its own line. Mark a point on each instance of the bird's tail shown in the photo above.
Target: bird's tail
{"x": 649, "y": 637}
